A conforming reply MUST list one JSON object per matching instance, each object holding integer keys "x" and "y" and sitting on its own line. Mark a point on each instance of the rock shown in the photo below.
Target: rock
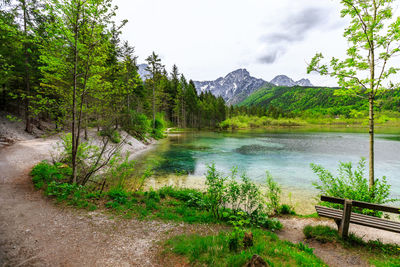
{"x": 257, "y": 261}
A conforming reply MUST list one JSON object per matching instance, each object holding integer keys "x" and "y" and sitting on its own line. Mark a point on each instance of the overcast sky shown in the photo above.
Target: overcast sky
{"x": 207, "y": 39}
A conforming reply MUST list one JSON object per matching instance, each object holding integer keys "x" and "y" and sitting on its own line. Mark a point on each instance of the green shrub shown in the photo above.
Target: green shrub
{"x": 286, "y": 209}
{"x": 153, "y": 195}
{"x": 137, "y": 124}
{"x": 159, "y": 126}
{"x": 44, "y": 173}
{"x": 112, "y": 134}
{"x": 352, "y": 184}
{"x": 119, "y": 195}
{"x": 215, "y": 183}
{"x": 273, "y": 193}
{"x": 151, "y": 204}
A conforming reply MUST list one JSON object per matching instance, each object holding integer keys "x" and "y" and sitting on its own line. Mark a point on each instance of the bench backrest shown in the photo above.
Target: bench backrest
{"x": 361, "y": 204}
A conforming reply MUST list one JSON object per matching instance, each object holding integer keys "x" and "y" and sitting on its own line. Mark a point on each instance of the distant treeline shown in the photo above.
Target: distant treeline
{"x": 298, "y": 101}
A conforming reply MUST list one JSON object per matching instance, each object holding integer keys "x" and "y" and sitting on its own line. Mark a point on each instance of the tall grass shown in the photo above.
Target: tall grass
{"x": 214, "y": 250}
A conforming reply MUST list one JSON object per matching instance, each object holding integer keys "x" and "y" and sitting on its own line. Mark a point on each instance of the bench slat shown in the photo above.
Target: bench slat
{"x": 336, "y": 213}
{"x": 375, "y": 219}
{"x": 371, "y": 206}
{"x": 360, "y": 219}
{"x": 362, "y": 204}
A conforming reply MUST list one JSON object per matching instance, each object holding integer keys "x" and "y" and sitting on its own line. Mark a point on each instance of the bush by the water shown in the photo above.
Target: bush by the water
{"x": 159, "y": 126}
{"x": 137, "y": 124}
{"x": 227, "y": 198}
{"x": 352, "y": 184}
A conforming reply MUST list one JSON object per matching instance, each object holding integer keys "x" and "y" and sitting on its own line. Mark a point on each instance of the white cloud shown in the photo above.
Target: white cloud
{"x": 207, "y": 39}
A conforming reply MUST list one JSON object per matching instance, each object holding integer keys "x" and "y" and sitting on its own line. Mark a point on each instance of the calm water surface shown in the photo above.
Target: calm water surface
{"x": 285, "y": 153}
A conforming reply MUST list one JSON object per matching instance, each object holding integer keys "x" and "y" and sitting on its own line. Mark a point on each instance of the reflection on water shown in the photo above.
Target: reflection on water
{"x": 286, "y": 153}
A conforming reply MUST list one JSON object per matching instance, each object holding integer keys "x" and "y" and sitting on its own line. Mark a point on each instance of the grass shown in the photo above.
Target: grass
{"x": 213, "y": 250}
{"x": 376, "y": 252}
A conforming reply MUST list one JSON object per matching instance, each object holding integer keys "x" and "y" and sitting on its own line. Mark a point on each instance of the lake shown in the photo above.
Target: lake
{"x": 286, "y": 153}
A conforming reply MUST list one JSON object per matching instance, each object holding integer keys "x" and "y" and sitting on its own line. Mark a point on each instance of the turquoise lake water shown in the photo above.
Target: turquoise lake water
{"x": 285, "y": 153}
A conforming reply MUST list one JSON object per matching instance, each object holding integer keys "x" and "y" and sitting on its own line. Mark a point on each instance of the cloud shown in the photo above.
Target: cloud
{"x": 294, "y": 28}
{"x": 271, "y": 56}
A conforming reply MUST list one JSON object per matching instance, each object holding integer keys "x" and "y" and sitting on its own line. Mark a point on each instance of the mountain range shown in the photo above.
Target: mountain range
{"x": 239, "y": 84}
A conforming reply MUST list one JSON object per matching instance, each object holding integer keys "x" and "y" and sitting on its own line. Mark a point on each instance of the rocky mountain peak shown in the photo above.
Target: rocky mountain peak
{"x": 234, "y": 87}
{"x": 304, "y": 82}
{"x": 283, "y": 80}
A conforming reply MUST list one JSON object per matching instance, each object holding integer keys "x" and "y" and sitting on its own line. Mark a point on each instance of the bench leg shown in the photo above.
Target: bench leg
{"x": 345, "y": 222}
{"x": 337, "y": 221}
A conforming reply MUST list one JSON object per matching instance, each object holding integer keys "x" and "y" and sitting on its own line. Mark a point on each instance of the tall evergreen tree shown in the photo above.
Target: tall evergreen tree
{"x": 156, "y": 69}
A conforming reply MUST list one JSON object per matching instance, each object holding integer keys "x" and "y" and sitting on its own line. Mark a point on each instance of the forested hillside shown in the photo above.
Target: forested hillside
{"x": 318, "y": 101}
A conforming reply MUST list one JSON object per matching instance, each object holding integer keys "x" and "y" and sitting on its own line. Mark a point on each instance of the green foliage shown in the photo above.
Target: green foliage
{"x": 119, "y": 195}
{"x": 45, "y": 173}
{"x": 239, "y": 221}
{"x": 215, "y": 183}
{"x": 286, "y": 209}
{"x": 112, "y": 134}
{"x": 125, "y": 174}
{"x": 352, "y": 184}
{"x": 245, "y": 122}
{"x": 137, "y": 124}
{"x": 159, "y": 127}
{"x": 168, "y": 203}
{"x": 52, "y": 178}
{"x": 273, "y": 193}
{"x": 214, "y": 250}
{"x": 226, "y": 198}
{"x": 13, "y": 118}
{"x": 84, "y": 150}
{"x": 301, "y": 105}
{"x": 225, "y": 192}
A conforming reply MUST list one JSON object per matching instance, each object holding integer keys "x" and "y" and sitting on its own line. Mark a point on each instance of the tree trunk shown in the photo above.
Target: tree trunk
{"x": 28, "y": 123}
{"x": 371, "y": 141}
{"x": 3, "y": 101}
{"x": 154, "y": 107}
{"x": 74, "y": 143}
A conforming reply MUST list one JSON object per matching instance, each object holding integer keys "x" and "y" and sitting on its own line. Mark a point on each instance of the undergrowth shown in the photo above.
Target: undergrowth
{"x": 214, "y": 250}
{"x": 167, "y": 203}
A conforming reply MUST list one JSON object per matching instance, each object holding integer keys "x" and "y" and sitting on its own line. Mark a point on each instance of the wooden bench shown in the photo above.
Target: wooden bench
{"x": 344, "y": 217}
